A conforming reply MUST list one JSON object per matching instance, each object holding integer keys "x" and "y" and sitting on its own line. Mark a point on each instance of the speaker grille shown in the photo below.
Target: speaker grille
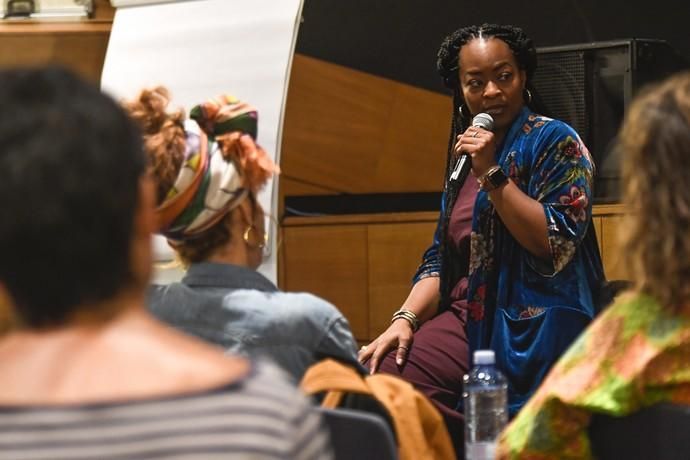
{"x": 560, "y": 82}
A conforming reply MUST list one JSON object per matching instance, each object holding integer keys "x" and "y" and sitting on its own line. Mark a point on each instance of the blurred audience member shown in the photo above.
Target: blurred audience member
{"x": 636, "y": 353}
{"x": 207, "y": 185}
{"x": 89, "y": 373}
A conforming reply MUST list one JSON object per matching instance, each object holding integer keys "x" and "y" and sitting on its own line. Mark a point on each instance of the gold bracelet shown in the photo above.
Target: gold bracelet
{"x": 407, "y": 315}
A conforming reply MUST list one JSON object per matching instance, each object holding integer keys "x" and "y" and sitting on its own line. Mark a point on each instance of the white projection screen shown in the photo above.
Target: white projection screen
{"x": 203, "y": 48}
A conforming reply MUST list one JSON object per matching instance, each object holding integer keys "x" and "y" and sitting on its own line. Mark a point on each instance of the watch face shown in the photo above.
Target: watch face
{"x": 497, "y": 177}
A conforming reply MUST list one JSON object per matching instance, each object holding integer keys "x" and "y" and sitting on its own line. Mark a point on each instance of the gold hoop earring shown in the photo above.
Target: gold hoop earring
{"x": 528, "y": 96}
{"x": 247, "y": 239}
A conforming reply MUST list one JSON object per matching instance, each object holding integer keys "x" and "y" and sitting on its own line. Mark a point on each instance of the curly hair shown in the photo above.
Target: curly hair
{"x": 655, "y": 137}
{"x": 164, "y": 136}
{"x": 164, "y": 144}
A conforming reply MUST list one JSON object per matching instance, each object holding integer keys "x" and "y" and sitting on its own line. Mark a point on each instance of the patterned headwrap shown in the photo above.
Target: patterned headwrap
{"x": 221, "y": 166}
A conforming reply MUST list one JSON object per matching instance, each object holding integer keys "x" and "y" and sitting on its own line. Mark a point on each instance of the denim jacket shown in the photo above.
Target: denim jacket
{"x": 243, "y": 312}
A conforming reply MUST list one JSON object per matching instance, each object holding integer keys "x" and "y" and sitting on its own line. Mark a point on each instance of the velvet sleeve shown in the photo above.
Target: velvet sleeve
{"x": 431, "y": 259}
{"x": 561, "y": 180}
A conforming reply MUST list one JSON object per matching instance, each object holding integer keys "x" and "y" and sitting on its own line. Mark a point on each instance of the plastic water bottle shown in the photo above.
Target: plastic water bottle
{"x": 485, "y": 399}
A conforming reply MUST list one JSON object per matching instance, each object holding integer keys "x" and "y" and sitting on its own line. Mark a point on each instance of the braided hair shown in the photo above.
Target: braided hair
{"x": 516, "y": 39}
{"x": 448, "y": 60}
{"x": 448, "y": 66}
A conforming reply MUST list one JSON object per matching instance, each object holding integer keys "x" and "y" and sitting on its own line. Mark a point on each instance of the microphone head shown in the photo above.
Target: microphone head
{"x": 483, "y": 120}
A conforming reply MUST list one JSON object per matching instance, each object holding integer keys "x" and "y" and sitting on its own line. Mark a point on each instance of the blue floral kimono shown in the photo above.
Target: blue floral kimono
{"x": 529, "y": 310}
{"x": 526, "y": 309}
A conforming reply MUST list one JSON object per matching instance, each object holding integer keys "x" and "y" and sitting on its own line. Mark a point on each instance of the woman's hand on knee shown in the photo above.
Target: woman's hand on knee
{"x": 398, "y": 336}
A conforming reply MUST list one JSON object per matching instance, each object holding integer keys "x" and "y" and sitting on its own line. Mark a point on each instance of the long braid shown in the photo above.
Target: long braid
{"x": 451, "y": 190}
{"x": 455, "y": 128}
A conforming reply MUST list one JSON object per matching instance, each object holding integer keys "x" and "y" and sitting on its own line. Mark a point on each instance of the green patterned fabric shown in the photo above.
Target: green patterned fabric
{"x": 634, "y": 355}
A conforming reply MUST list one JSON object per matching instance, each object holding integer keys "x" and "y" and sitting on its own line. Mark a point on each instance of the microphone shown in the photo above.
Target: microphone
{"x": 464, "y": 163}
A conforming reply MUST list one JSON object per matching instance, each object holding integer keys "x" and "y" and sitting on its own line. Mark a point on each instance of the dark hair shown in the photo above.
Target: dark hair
{"x": 448, "y": 62}
{"x": 200, "y": 247}
{"x": 520, "y": 44}
{"x": 71, "y": 161}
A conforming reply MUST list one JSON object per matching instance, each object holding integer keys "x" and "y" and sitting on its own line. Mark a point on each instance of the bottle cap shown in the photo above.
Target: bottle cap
{"x": 484, "y": 357}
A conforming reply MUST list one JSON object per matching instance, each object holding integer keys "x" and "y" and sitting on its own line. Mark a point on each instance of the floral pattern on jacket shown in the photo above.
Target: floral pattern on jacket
{"x": 508, "y": 285}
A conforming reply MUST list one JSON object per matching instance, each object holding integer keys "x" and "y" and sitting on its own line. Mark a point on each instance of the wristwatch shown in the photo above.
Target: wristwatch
{"x": 492, "y": 179}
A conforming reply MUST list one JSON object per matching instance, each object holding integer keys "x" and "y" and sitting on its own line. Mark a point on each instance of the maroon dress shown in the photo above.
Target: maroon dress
{"x": 439, "y": 355}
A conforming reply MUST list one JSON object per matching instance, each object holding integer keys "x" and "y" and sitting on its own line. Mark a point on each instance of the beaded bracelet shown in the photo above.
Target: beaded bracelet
{"x": 407, "y": 315}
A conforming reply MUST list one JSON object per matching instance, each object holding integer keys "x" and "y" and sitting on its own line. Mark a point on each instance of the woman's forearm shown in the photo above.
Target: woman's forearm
{"x": 524, "y": 217}
{"x": 423, "y": 298}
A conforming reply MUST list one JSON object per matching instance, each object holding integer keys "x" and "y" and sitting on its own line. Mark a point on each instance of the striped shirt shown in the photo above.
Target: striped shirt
{"x": 261, "y": 416}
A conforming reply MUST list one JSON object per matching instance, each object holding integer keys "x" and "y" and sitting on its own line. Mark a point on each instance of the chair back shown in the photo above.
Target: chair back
{"x": 660, "y": 432}
{"x": 359, "y": 435}
{"x": 420, "y": 431}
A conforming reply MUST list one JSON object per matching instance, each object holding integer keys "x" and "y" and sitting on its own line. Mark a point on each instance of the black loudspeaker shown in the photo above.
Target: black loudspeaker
{"x": 590, "y": 86}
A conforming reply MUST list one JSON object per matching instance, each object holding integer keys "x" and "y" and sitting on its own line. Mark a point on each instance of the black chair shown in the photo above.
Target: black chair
{"x": 604, "y": 295}
{"x": 358, "y": 435}
{"x": 659, "y": 432}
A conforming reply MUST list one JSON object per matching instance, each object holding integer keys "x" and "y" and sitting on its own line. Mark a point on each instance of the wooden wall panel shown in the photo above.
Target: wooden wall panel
{"x": 331, "y": 262}
{"x": 297, "y": 187}
{"x": 597, "y": 223}
{"x": 395, "y": 251}
{"x": 610, "y": 217}
{"x": 82, "y": 52}
{"x": 348, "y": 131}
{"x": 363, "y": 263}
{"x": 611, "y": 254}
{"x": 78, "y": 45}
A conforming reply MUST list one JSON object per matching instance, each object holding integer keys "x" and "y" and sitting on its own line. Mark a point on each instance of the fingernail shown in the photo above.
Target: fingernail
{"x": 399, "y": 361}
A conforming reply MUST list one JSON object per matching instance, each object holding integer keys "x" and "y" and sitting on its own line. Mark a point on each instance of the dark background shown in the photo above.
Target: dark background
{"x": 398, "y": 39}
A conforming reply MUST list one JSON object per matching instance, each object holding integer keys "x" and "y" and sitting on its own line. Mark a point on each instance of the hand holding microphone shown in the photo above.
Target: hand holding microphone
{"x": 475, "y": 148}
